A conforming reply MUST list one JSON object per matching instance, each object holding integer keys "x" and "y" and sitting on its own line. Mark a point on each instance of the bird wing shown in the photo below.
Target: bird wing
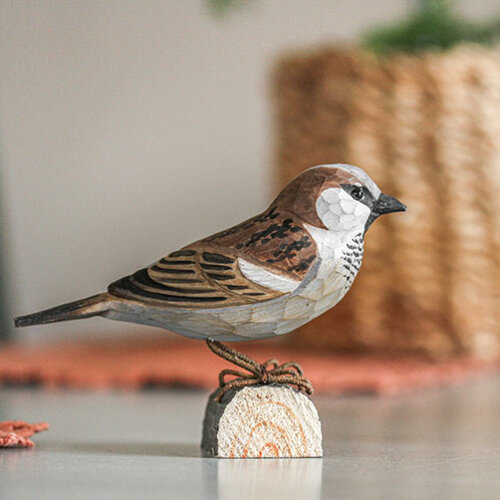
{"x": 193, "y": 278}
{"x": 258, "y": 260}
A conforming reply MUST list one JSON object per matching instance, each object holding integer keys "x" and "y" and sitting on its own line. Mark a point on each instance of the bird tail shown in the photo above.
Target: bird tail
{"x": 84, "y": 308}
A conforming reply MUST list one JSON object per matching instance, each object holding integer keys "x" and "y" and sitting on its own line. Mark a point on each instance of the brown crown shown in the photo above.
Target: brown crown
{"x": 300, "y": 195}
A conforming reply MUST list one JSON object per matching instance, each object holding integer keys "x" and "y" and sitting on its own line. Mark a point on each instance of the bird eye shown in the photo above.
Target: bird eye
{"x": 357, "y": 193}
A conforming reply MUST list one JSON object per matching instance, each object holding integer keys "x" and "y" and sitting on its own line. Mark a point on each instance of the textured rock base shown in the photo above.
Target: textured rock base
{"x": 262, "y": 421}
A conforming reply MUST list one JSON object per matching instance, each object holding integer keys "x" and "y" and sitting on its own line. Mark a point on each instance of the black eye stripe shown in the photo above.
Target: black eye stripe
{"x": 359, "y": 193}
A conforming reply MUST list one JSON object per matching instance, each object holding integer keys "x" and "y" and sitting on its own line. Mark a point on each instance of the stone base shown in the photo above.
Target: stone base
{"x": 261, "y": 421}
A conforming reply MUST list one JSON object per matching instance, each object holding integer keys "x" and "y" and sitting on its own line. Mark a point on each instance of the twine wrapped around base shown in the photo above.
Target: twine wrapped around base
{"x": 270, "y": 372}
{"x": 427, "y": 129}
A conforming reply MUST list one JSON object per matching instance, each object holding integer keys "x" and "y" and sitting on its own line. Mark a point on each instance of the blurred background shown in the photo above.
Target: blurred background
{"x": 128, "y": 129}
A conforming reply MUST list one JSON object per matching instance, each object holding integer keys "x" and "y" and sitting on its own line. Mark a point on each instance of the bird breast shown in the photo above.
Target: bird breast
{"x": 335, "y": 275}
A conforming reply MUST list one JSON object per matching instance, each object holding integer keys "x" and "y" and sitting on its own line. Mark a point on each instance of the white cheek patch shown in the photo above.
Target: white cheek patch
{"x": 331, "y": 219}
{"x": 322, "y": 207}
{"x": 331, "y": 195}
{"x": 348, "y": 206}
{"x": 340, "y": 212}
{"x": 359, "y": 209}
{"x": 266, "y": 278}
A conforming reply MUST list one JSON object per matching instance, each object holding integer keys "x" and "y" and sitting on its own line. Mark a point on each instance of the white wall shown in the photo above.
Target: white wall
{"x": 129, "y": 128}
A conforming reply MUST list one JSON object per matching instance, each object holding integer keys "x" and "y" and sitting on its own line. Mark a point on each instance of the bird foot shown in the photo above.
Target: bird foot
{"x": 270, "y": 372}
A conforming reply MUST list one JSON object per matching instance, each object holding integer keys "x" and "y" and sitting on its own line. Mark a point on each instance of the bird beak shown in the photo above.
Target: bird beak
{"x": 387, "y": 204}
{"x": 384, "y": 205}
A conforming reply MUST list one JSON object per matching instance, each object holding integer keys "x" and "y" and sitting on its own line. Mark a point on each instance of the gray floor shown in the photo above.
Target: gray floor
{"x": 442, "y": 444}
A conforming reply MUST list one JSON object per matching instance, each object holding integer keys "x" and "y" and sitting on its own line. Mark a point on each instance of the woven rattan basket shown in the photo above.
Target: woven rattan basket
{"x": 427, "y": 129}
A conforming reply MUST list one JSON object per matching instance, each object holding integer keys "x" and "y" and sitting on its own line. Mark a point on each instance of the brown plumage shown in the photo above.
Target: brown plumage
{"x": 207, "y": 272}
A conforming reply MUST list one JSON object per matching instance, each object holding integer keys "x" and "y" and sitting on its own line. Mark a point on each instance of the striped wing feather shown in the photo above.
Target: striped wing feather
{"x": 206, "y": 273}
{"x": 194, "y": 278}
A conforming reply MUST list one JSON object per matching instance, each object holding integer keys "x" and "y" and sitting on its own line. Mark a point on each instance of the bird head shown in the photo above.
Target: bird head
{"x": 339, "y": 197}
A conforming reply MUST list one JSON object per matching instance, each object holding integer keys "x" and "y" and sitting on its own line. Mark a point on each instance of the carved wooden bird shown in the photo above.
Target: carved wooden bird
{"x": 262, "y": 278}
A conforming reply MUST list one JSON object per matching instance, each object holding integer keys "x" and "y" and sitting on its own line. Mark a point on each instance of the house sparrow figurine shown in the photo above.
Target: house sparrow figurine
{"x": 262, "y": 278}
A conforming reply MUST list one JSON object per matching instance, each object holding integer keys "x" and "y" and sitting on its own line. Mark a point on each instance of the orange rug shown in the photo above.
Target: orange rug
{"x": 132, "y": 364}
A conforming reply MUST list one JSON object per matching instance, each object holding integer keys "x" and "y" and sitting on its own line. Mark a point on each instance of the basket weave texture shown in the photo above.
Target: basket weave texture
{"x": 427, "y": 129}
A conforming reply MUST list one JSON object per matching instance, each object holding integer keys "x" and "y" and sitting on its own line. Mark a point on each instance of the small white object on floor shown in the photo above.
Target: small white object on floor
{"x": 263, "y": 421}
